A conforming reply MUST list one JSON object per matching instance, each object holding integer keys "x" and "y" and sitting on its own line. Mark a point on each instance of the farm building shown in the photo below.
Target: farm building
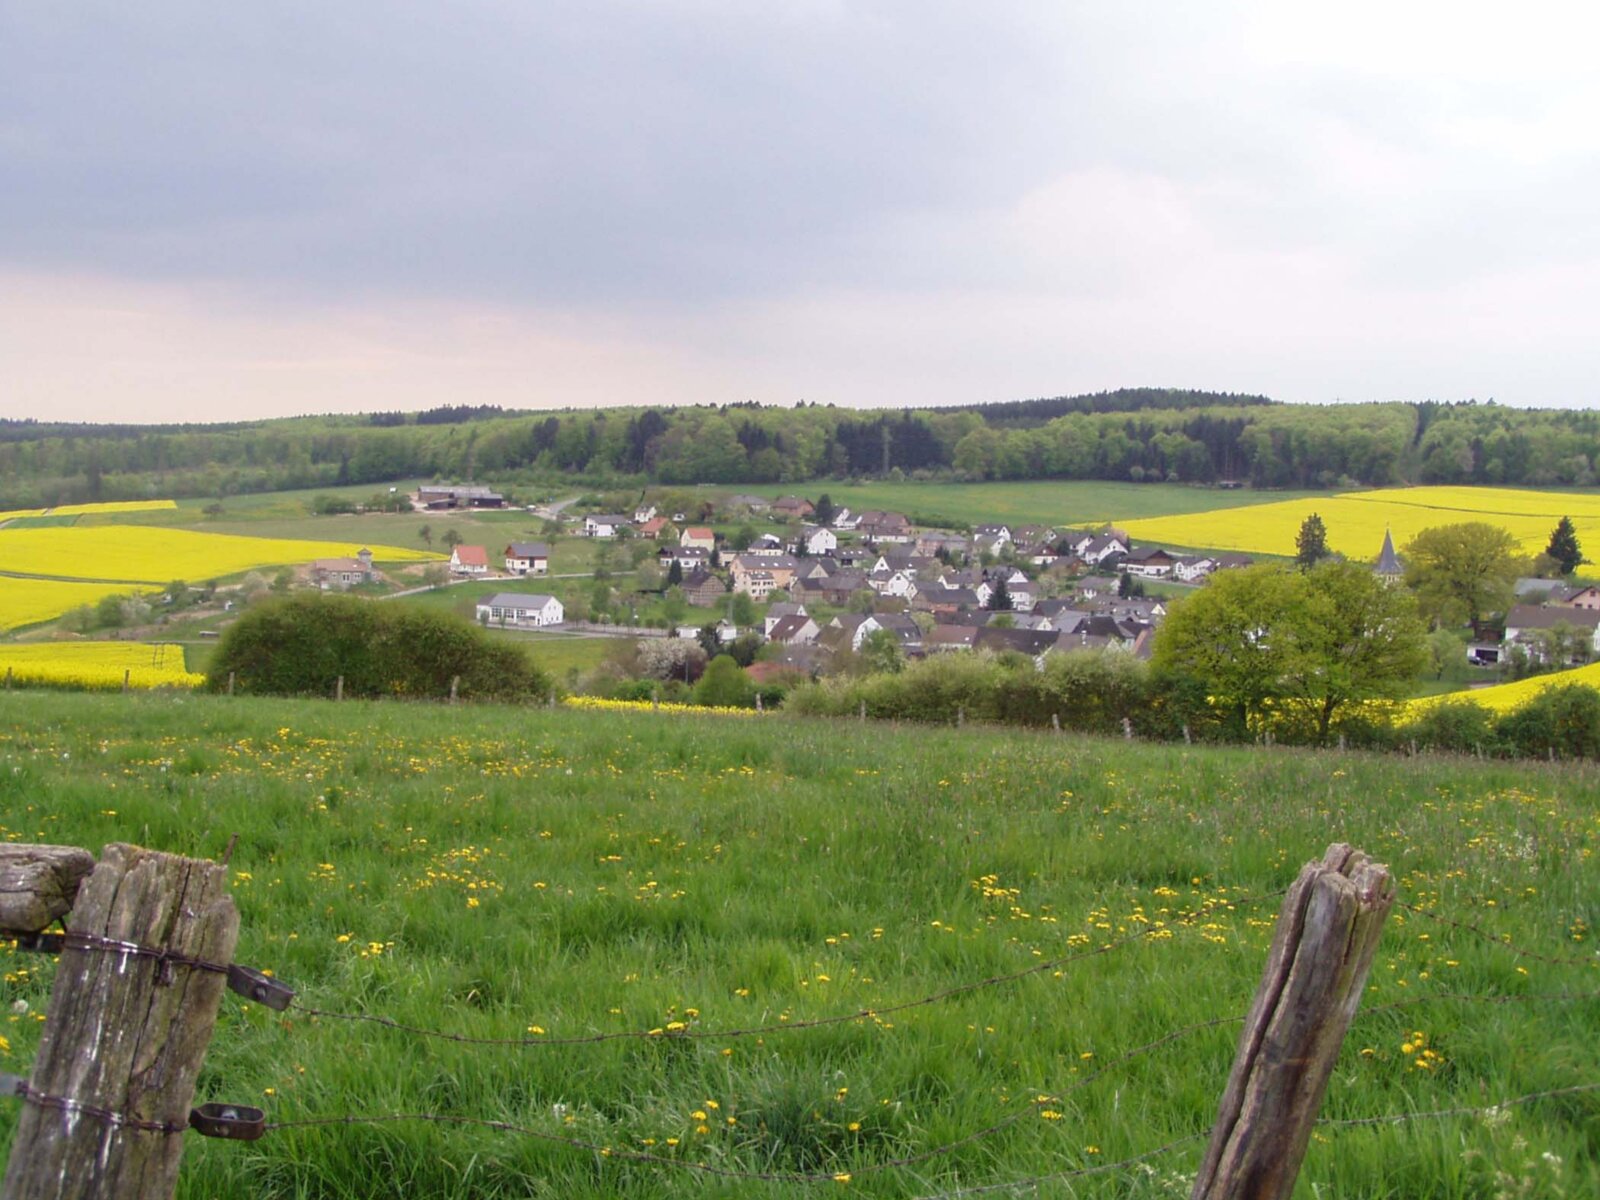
{"x": 524, "y": 611}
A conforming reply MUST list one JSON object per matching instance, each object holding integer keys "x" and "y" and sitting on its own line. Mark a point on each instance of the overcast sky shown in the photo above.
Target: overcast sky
{"x": 211, "y": 212}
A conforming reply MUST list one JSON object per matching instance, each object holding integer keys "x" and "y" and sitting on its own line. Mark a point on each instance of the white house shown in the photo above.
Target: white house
{"x": 520, "y": 611}
{"x": 469, "y": 560}
{"x": 527, "y": 558}
{"x": 603, "y": 524}
{"x": 643, "y": 513}
{"x": 819, "y": 540}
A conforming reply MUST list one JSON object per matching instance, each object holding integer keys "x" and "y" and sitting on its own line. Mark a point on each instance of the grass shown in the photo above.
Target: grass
{"x": 1044, "y": 502}
{"x": 544, "y": 874}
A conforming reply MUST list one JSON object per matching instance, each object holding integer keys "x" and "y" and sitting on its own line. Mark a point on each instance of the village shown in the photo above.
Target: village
{"x": 793, "y": 587}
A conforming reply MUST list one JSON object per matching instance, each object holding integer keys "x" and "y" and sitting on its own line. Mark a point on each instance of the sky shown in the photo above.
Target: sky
{"x": 210, "y": 212}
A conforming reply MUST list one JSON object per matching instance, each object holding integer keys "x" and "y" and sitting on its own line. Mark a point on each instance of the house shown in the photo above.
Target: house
{"x": 604, "y": 525}
{"x": 755, "y": 504}
{"x": 1152, "y": 562}
{"x": 819, "y": 539}
{"x": 767, "y": 543}
{"x": 904, "y": 628}
{"x": 469, "y": 560}
{"x": 1191, "y": 568}
{"x": 437, "y": 496}
{"x": 793, "y": 630}
{"x": 782, "y": 567}
{"x": 877, "y": 526}
{"x": 643, "y": 513}
{"x": 336, "y": 574}
{"x": 1580, "y": 597}
{"x": 952, "y": 544}
{"x": 698, "y": 537}
{"x": 849, "y": 630}
{"x": 652, "y": 527}
{"x": 950, "y": 637}
{"x": 1526, "y": 622}
{"x": 758, "y": 585}
{"x": 527, "y": 558}
{"x": 1099, "y": 549}
{"x": 687, "y": 557}
{"x": 991, "y": 538}
{"x": 779, "y": 610}
{"x": 521, "y": 611}
{"x": 793, "y": 507}
{"x": 843, "y": 519}
{"x": 703, "y": 589}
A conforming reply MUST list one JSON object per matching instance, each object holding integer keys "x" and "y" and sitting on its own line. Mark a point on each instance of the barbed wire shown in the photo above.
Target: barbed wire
{"x": 1501, "y": 940}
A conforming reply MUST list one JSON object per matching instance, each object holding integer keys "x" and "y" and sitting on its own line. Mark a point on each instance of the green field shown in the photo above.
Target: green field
{"x": 545, "y": 875}
{"x": 1044, "y": 502}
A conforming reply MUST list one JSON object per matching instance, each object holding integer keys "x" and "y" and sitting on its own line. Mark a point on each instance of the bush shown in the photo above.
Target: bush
{"x": 725, "y": 685}
{"x": 1458, "y": 726}
{"x": 301, "y": 646}
{"x": 1563, "y": 720}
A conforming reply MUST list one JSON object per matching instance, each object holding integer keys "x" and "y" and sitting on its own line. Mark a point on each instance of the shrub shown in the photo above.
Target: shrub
{"x": 302, "y": 645}
{"x": 1459, "y": 726}
{"x": 1563, "y": 720}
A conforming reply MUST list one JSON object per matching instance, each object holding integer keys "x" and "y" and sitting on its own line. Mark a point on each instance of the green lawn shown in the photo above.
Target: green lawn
{"x": 550, "y": 875}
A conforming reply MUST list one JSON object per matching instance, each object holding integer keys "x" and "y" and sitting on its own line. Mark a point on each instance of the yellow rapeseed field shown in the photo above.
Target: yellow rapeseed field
{"x": 144, "y": 554}
{"x": 79, "y": 510}
{"x": 95, "y": 665}
{"x": 29, "y": 601}
{"x": 1504, "y": 697}
{"x": 115, "y": 506}
{"x": 1356, "y": 520}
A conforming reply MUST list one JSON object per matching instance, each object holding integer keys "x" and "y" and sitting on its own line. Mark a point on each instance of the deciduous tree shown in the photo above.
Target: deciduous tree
{"x": 1460, "y": 572}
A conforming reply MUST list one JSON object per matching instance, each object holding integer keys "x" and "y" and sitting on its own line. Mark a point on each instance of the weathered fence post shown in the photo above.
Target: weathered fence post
{"x": 863, "y": 712}
{"x": 338, "y": 688}
{"x": 127, "y": 674}
{"x": 1055, "y": 722}
{"x": 1322, "y": 951}
{"x": 961, "y": 716}
{"x": 1187, "y": 740}
{"x": 1127, "y": 730}
{"x": 124, "y": 1033}
{"x": 455, "y": 685}
{"x": 230, "y": 682}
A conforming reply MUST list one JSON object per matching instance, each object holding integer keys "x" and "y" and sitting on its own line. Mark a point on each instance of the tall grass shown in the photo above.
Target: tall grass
{"x": 492, "y": 871}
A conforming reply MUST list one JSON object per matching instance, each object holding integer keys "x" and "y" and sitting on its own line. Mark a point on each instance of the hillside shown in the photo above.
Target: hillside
{"x": 1135, "y": 435}
{"x": 1027, "y": 916}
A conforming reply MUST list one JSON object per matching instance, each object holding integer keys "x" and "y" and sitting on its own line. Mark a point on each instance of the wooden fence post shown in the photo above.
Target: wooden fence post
{"x": 125, "y": 1033}
{"x": 338, "y": 688}
{"x": 455, "y": 685}
{"x": 230, "y": 682}
{"x": 1322, "y": 951}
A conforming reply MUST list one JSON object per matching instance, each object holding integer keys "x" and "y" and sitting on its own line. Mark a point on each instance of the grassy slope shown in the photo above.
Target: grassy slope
{"x": 632, "y": 871}
{"x": 1045, "y": 502}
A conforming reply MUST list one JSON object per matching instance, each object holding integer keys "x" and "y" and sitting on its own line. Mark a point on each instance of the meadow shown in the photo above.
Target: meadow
{"x": 1053, "y": 502}
{"x": 993, "y": 927}
{"x": 1356, "y": 521}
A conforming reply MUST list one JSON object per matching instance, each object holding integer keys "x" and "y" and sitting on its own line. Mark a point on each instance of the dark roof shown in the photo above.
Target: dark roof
{"x": 527, "y": 550}
{"x": 1388, "y": 560}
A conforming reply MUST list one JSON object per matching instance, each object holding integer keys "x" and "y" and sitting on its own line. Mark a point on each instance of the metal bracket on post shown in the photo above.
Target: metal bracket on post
{"x": 235, "y": 1122}
{"x": 260, "y": 987}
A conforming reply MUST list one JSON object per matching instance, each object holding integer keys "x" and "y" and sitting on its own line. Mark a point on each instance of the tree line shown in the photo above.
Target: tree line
{"x": 1136, "y": 435}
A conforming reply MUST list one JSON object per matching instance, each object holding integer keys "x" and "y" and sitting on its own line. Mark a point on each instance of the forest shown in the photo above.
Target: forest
{"x": 1155, "y": 435}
